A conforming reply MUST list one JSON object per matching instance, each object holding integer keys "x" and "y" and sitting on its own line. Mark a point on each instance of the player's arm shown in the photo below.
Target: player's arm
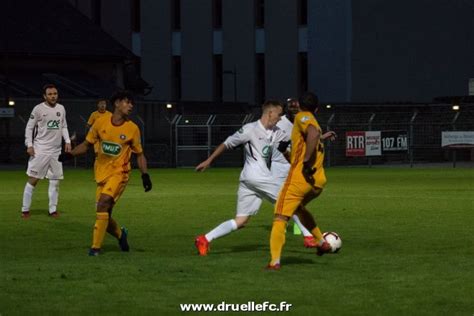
{"x": 77, "y": 151}
{"x": 143, "y": 166}
{"x": 206, "y": 163}
{"x": 65, "y": 133}
{"x": 331, "y": 135}
{"x": 312, "y": 140}
{"x": 30, "y": 126}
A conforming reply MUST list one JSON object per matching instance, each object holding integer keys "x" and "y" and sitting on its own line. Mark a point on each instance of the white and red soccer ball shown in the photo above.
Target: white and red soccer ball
{"x": 334, "y": 240}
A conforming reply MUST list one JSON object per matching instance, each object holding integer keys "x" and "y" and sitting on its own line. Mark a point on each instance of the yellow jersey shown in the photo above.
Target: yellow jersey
{"x": 96, "y": 115}
{"x": 116, "y": 144}
{"x": 298, "y": 145}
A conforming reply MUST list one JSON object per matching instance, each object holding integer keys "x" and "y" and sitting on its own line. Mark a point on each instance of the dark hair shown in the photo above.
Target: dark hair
{"x": 309, "y": 101}
{"x": 271, "y": 103}
{"x": 121, "y": 95}
{"x": 100, "y": 100}
{"x": 48, "y": 86}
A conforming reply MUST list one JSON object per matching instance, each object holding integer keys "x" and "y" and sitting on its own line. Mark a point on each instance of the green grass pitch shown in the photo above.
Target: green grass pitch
{"x": 407, "y": 247}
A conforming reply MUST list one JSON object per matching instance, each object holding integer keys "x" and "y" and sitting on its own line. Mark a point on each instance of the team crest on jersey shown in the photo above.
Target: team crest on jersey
{"x": 241, "y": 130}
{"x": 122, "y": 137}
{"x": 32, "y": 116}
{"x": 266, "y": 150}
{"x": 58, "y": 113}
{"x": 110, "y": 148}
{"x": 304, "y": 119}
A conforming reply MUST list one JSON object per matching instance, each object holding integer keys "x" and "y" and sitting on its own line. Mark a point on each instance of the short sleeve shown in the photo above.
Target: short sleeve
{"x": 136, "y": 144}
{"x": 303, "y": 120}
{"x": 91, "y": 120}
{"x": 240, "y": 137}
{"x": 92, "y": 136}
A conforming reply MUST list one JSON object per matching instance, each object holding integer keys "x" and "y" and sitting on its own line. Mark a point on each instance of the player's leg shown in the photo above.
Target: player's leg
{"x": 106, "y": 195}
{"x": 54, "y": 174}
{"x": 36, "y": 170}
{"x": 288, "y": 201}
{"x": 270, "y": 190}
{"x": 248, "y": 204}
{"x": 310, "y": 222}
{"x": 113, "y": 228}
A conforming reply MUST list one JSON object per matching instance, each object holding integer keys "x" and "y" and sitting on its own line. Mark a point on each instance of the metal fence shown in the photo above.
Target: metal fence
{"x": 173, "y": 138}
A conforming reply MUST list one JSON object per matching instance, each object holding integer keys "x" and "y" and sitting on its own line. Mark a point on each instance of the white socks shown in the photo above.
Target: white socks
{"x": 222, "y": 230}
{"x": 27, "y": 195}
{"x": 53, "y": 193}
{"x": 303, "y": 229}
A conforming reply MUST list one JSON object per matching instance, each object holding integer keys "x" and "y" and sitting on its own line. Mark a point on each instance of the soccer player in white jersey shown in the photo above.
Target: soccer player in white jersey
{"x": 280, "y": 165}
{"x": 257, "y": 182}
{"x": 43, "y": 136}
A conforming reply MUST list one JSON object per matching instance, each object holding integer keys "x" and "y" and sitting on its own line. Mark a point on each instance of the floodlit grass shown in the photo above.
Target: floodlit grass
{"x": 407, "y": 247}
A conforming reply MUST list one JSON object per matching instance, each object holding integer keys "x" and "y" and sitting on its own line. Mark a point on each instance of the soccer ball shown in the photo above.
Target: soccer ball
{"x": 334, "y": 240}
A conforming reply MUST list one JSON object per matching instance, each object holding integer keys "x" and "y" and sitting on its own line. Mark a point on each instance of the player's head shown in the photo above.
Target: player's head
{"x": 122, "y": 102}
{"x": 101, "y": 105}
{"x": 50, "y": 94}
{"x": 309, "y": 102}
{"x": 292, "y": 107}
{"x": 272, "y": 110}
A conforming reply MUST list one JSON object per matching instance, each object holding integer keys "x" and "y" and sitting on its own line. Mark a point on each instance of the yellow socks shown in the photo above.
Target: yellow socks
{"x": 101, "y": 222}
{"x": 277, "y": 240}
{"x": 114, "y": 229}
{"x": 317, "y": 234}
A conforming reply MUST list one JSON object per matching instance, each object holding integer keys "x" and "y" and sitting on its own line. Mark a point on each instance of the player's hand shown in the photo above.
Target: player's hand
{"x": 65, "y": 157}
{"x": 331, "y": 135}
{"x": 67, "y": 147}
{"x": 283, "y": 146}
{"x": 146, "y": 182}
{"x": 30, "y": 151}
{"x": 203, "y": 166}
{"x": 308, "y": 172}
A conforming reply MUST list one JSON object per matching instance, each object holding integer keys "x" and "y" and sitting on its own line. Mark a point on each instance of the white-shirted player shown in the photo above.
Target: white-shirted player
{"x": 44, "y": 132}
{"x": 260, "y": 139}
{"x": 280, "y": 165}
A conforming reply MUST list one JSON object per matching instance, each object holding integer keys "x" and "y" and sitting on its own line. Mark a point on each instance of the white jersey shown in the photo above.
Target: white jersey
{"x": 280, "y": 166}
{"x": 258, "y": 144}
{"x": 49, "y": 126}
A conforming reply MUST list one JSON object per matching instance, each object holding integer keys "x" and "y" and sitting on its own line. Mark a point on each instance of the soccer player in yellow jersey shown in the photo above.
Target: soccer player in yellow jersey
{"x": 118, "y": 138}
{"x": 305, "y": 181}
{"x": 101, "y": 112}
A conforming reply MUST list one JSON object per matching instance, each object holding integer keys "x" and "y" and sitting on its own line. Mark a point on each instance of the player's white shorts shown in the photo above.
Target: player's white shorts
{"x": 250, "y": 195}
{"x": 45, "y": 165}
{"x": 280, "y": 171}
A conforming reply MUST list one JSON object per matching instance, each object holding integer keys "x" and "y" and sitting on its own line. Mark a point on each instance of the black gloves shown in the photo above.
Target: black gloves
{"x": 65, "y": 156}
{"x": 308, "y": 172}
{"x": 283, "y": 146}
{"x": 146, "y": 182}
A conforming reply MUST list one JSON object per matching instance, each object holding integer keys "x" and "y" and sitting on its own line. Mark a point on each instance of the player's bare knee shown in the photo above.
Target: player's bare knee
{"x": 279, "y": 217}
{"x": 33, "y": 181}
{"x": 241, "y": 221}
{"x": 104, "y": 206}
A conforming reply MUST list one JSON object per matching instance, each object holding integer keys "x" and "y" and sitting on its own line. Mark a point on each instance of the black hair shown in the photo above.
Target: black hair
{"x": 48, "y": 86}
{"x": 309, "y": 102}
{"x": 121, "y": 95}
{"x": 100, "y": 100}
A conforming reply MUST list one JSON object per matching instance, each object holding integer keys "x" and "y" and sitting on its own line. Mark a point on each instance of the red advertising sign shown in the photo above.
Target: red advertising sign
{"x": 355, "y": 143}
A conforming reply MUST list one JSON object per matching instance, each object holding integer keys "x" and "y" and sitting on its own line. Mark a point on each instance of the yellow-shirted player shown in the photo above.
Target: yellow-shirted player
{"x": 305, "y": 181}
{"x": 118, "y": 138}
{"x": 101, "y": 112}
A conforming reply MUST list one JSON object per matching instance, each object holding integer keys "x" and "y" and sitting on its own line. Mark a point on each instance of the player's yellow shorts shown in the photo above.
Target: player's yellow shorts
{"x": 114, "y": 185}
{"x": 295, "y": 192}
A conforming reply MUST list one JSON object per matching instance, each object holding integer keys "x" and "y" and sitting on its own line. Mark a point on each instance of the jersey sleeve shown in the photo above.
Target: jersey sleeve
{"x": 34, "y": 117}
{"x": 65, "y": 132}
{"x": 92, "y": 136}
{"x": 240, "y": 137}
{"x": 91, "y": 119}
{"x": 136, "y": 145}
{"x": 303, "y": 120}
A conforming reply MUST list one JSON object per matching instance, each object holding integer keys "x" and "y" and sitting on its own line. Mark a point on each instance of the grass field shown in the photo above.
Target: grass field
{"x": 407, "y": 247}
